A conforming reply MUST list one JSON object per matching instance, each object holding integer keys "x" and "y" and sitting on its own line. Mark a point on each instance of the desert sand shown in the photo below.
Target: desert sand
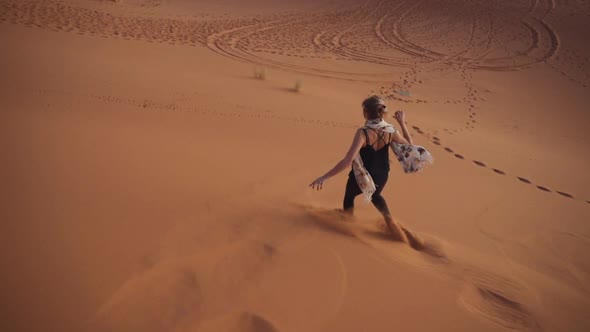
{"x": 151, "y": 182}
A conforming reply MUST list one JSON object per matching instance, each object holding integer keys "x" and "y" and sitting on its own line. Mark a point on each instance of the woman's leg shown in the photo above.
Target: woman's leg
{"x": 352, "y": 190}
{"x": 397, "y": 230}
{"x": 381, "y": 205}
{"x": 378, "y": 200}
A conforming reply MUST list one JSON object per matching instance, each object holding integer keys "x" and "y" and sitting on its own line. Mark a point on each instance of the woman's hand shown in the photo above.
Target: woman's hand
{"x": 400, "y": 116}
{"x": 318, "y": 183}
{"x": 353, "y": 151}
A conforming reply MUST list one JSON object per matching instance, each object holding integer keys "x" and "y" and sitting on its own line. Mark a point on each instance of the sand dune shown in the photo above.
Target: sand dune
{"x": 244, "y": 321}
{"x": 152, "y": 183}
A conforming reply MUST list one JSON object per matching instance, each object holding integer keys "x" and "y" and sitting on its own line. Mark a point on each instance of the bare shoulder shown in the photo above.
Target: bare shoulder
{"x": 361, "y": 134}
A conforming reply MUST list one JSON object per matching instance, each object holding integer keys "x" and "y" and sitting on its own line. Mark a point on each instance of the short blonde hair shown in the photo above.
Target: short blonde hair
{"x": 374, "y": 106}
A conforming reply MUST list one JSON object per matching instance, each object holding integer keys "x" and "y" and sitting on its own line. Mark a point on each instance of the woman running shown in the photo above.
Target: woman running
{"x": 369, "y": 157}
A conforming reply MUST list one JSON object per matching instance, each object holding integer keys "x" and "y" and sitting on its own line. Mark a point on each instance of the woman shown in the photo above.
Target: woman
{"x": 369, "y": 157}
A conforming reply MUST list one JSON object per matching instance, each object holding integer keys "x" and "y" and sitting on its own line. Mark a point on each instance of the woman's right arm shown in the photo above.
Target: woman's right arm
{"x": 357, "y": 144}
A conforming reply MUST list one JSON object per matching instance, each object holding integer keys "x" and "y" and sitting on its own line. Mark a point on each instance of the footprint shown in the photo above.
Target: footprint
{"x": 459, "y": 156}
{"x": 435, "y": 252}
{"x": 527, "y": 181}
{"x": 498, "y": 299}
{"x": 479, "y": 163}
{"x": 416, "y": 242}
{"x": 544, "y": 189}
{"x": 449, "y": 150}
{"x": 498, "y": 171}
{"x": 565, "y": 194}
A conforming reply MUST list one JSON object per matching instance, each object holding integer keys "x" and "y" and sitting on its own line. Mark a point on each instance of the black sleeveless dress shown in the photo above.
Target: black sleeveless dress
{"x": 376, "y": 162}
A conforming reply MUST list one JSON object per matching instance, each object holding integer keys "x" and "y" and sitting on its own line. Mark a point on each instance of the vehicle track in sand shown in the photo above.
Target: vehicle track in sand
{"x": 230, "y": 38}
{"x": 284, "y": 37}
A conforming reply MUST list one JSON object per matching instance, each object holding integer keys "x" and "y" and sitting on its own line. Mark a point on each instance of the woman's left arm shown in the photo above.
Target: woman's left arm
{"x": 400, "y": 116}
{"x": 357, "y": 144}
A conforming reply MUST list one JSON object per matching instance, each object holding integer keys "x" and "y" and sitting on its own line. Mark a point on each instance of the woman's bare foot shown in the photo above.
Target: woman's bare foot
{"x": 415, "y": 241}
{"x": 344, "y": 214}
{"x": 396, "y": 231}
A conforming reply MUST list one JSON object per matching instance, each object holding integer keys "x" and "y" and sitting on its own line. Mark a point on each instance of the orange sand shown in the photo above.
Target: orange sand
{"x": 150, "y": 183}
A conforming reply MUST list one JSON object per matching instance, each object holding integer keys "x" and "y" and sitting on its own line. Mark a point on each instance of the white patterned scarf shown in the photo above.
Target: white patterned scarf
{"x": 412, "y": 158}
